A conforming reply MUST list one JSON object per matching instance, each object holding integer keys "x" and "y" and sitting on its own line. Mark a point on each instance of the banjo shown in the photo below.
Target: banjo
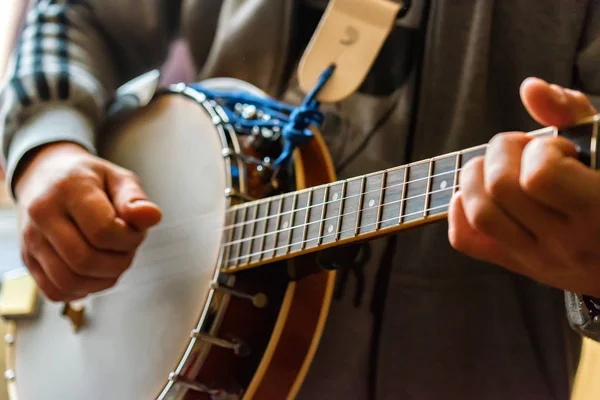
{"x": 225, "y": 299}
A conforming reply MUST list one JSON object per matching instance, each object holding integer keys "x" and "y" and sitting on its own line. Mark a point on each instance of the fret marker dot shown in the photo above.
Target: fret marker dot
{"x": 371, "y": 203}
{"x": 285, "y": 225}
{"x": 443, "y": 184}
{"x": 330, "y": 229}
{"x": 335, "y": 196}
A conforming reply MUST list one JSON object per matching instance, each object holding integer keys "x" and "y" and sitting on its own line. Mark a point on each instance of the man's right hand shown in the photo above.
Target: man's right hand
{"x": 81, "y": 220}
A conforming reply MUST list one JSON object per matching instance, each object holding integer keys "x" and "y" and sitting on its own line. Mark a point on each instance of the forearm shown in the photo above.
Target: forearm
{"x": 71, "y": 58}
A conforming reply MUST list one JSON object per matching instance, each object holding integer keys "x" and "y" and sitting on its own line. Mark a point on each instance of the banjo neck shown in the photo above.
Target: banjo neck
{"x": 363, "y": 207}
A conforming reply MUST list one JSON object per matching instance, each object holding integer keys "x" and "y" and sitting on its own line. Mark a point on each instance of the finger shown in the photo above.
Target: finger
{"x": 486, "y": 217}
{"x": 471, "y": 242}
{"x": 130, "y": 201}
{"x": 62, "y": 277}
{"x": 43, "y": 283}
{"x": 96, "y": 219}
{"x": 82, "y": 258}
{"x": 502, "y": 168}
{"x": 553, "y": 177}
{"x": 552, "y": 105}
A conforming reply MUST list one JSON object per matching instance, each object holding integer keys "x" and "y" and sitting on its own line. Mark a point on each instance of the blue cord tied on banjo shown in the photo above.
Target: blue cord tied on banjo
{"x": 293, "y": 122}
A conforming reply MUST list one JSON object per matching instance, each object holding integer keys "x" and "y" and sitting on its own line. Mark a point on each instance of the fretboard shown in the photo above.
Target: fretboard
{"x": 354, "y": 209}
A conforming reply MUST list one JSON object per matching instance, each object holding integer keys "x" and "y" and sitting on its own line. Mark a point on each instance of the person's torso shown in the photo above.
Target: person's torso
{"x": 415, "y": 319}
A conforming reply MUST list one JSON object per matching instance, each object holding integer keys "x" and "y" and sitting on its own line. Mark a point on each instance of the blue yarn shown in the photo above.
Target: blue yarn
{"x": 294, "y": 122}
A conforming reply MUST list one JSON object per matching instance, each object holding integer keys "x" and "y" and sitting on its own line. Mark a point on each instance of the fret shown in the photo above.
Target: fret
{"x": 341, "y": 210}
{"x": 300, "y": 219}
{"x": 457, "y": 171}
{"x": 428, "y": 189}
{"x": 442, "y": 184}
{"x": 271, "y": 230}
{"x": 236, "y": 235}
{"x": 258, "y": 244}
{"x": 241, "y": 227}
{"x": 381, "y": 195}
{"x": 247, "y": 233}
{"x": 323, "y": 210}
{"x": 315, "y": 220}
{"x": 306, "y": 217}
{"x": 280, "y": 232}
{"x": 332, "y": 212}
{"x": 370, "y": 203}
{"x": 403, "y": 195}
{"x": 416, "y": 189}
{"x": 285, "y": 224}
{"x": 392, "y": 197}
{"x": 230, "y": 221}
{"x": 360, "y": 204}
{"x": 349, "y": 208}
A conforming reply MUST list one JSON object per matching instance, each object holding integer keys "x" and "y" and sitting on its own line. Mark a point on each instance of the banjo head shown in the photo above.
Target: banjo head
{"x": 136, "y": 333}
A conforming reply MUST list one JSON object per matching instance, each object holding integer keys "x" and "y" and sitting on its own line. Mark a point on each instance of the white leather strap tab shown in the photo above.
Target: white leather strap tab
{"x": 349, "y": 35}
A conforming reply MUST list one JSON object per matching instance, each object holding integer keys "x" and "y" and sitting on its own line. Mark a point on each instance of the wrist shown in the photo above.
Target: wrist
{"x": 33, "y": 158}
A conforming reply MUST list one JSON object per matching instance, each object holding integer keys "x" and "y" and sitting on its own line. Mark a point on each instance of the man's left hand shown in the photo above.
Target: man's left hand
{"x": 529, "y": 205}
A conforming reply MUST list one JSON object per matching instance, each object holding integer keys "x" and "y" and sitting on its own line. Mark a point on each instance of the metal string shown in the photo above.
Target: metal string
{"x": 336, "y": 216}
{"x": 235, "y": 259}
{"x": 324, "y": 203}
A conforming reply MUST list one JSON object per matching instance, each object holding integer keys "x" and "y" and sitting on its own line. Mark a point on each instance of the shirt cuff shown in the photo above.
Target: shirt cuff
{"x": 52, "y": 124}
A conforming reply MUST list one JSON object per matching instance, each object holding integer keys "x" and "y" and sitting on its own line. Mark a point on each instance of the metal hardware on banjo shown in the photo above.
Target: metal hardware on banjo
{"x": 225, "y": 299}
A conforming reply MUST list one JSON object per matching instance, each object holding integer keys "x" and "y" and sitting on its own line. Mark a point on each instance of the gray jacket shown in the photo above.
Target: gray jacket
{"x": 424, "y": 322}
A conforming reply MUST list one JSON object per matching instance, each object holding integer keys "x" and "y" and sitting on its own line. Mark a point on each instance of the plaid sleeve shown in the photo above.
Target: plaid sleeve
{"x": 71, "y": 56}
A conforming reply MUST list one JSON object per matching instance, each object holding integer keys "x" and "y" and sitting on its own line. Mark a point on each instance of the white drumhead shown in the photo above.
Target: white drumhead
{"x": 137, "y": 332}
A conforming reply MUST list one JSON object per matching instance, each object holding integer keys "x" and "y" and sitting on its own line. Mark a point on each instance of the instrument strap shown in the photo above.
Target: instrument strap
{"x": 349, "y": 37}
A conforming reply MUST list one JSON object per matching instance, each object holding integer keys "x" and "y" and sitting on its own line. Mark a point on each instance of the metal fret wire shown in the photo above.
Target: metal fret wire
{"x": 336, "y": 216}
{"x": 459, "y": 155}
{"x": 326, "y": 202}
{"x": 330, "y": 234}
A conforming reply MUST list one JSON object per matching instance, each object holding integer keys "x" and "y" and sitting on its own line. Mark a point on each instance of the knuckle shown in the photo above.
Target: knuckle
{"x": 29, "y": 263}
{"x": 481, "y": 217}
{"x": 499, "y": 182}
{"x": 38, "y": 210}
{"x": 503, "y": 140}
{"x": 129, "y": 175}
{"x": 124, "y": 262}
{"x": 77, "y": 258}
{"x": 542, "y": 178}
{"x": 577, "y": 96}
{"x": 50, "y": 294}
{"x": 499, "y": 139}
{"x": 74, "y": 179}
{"x": 469, "y": 170}
{"x": 100, "y": 233}
{"x": 66, "y": 283}
{"x": 30, "y": 236}
{"x": 80, "y": 261}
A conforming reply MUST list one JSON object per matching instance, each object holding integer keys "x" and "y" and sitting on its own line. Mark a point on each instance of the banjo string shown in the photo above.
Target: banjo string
{"x": 238, "y": 224}
{"x": 241, "y": 240}
{"x": 249, "y": 256}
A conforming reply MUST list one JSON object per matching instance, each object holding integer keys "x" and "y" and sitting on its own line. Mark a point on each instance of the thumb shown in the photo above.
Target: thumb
{"x": 130, "y": 201}
{"x": 553, "y": 105}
